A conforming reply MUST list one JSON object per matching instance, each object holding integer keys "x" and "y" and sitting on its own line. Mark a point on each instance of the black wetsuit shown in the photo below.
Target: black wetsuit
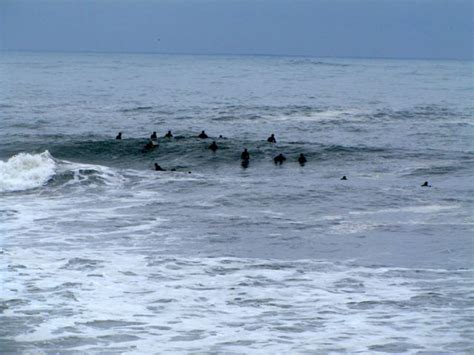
{"x": 149, "y": 146}
{"x": 168, "y": 135}
{"x": 213, "y": 146}
{"x": 279, "y": 159}
{"x": 245, "y": 155}
{"x": 119, "y": 136}
{"x": 271, "y": 139}
{"x": 153, "y": 136}
{"x": 203, "y": 135}
{"x": 302, "y": 159}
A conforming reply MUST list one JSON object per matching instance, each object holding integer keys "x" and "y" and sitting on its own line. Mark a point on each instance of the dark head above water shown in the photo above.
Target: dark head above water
{"x": 271, "y": 139}
{"x": 153, "y": 136}
{"x": 344, "y": 177}
{"x": 279, "y": 159}
{"x": 245, "y": 155}
{"x": 119, "y": 135}
{"x": 302, "y": 159}
{"x": 425, "y": 184}
{"x": 213, "y": 146}
{"x": 168, "y": 135}
{"x": 203, "y": 135}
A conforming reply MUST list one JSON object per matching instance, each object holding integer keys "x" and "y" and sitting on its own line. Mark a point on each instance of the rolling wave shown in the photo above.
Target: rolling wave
{"x": 26, "y": 171}
{"x": 188, "y": 152}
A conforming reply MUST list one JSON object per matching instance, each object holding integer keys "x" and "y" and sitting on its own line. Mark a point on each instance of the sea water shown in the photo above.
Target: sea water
{"x": 100, "y": 253}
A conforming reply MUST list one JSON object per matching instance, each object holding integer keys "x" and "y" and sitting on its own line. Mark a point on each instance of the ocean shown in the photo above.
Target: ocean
{"x": 100, "y": 253}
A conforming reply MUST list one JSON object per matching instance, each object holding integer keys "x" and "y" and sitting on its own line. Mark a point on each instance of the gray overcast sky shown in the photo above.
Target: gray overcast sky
{"x": 339, "y": 28}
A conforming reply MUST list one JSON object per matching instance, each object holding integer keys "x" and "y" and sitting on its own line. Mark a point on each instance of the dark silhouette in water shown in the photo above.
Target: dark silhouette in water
{"x": 213, "y": 146}
{"x": 119, "y": 135}
{"x": 344, "y": 177}
{"x": 153, "y": 136}
{"x": 271, "y": 139}
{"x": 149, "y": 146}
{"x": 425, "y": 184}
{"x": 168, "y": 135}
{"x": 279, "y": 159}
{"x": 158, "y": 168}
{"x": 245, "y": 155}
{"x": 302, "y": 159}
{"x": 245, "y": 163}
{"x": 203, "y": 135}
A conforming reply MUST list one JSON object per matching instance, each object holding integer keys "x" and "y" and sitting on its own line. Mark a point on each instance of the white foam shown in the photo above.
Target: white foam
{"x": 26, "y": 171}
{"x": 321, "y": 116}
{"x": 230, "y": 304}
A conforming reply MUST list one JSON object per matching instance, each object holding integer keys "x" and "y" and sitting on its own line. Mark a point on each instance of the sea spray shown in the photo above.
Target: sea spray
{"x": 26, "y": 171}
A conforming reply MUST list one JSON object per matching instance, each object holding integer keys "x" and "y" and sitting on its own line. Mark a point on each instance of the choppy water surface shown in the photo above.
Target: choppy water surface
{"x": 101, "y": 253}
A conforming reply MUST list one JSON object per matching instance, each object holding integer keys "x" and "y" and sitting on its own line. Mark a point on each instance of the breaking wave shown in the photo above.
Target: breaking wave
{"x": 26, "y": 171}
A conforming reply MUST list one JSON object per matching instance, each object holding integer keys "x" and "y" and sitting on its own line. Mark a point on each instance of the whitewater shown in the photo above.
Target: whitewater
{"x": 100, "y": 253}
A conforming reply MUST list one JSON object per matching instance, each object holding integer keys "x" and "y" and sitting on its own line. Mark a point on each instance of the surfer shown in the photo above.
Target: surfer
{"x": 271, "y": 139}
{"x": 344, "y": 177}
{"x": 245, "y": 155}
{"x": 302, "y": 159}
{"x": 153, "y": 136}
{"x": 159, "y": 168}
{"x": 203, "y": 135}
{"x": 150, "y": 146}
{"x": 279, "y": 159}
{"x": 425, "y": 184}
{"x": 213, "y": 146}
{"x": 168, "y": 135}
{"x": 119, "y": 135}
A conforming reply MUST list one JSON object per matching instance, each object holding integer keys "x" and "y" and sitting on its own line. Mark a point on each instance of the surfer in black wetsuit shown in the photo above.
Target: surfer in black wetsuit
{"x": 271, "y": 139}
{"x": 302, "y": 159}
{"x": 344, "y": 177}
{"x": 279, "y": 159}
{"x": 245, "y": 157}
{"x": 159, "y": 168}
{"x": 425, "y": 184}
{"x": 168, "y": 135}
{"x": 149, "y": 146}
{"x": 213, "y": 146}
{"x": 203, "y": 135}
{"x": 119, "y": 135}
{"x": 153, "y": 136}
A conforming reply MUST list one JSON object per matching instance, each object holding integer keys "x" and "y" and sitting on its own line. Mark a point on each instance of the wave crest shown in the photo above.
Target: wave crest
{"x": 26, "y": 171}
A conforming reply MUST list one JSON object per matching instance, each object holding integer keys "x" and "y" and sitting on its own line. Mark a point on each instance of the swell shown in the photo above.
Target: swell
{"x": 185, "y": 151}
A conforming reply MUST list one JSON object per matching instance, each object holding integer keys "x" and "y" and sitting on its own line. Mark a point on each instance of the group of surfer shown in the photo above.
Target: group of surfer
{"x": 244, "y": 156}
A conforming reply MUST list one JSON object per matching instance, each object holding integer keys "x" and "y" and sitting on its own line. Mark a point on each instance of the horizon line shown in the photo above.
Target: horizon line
{"x": 232, "y": 54}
